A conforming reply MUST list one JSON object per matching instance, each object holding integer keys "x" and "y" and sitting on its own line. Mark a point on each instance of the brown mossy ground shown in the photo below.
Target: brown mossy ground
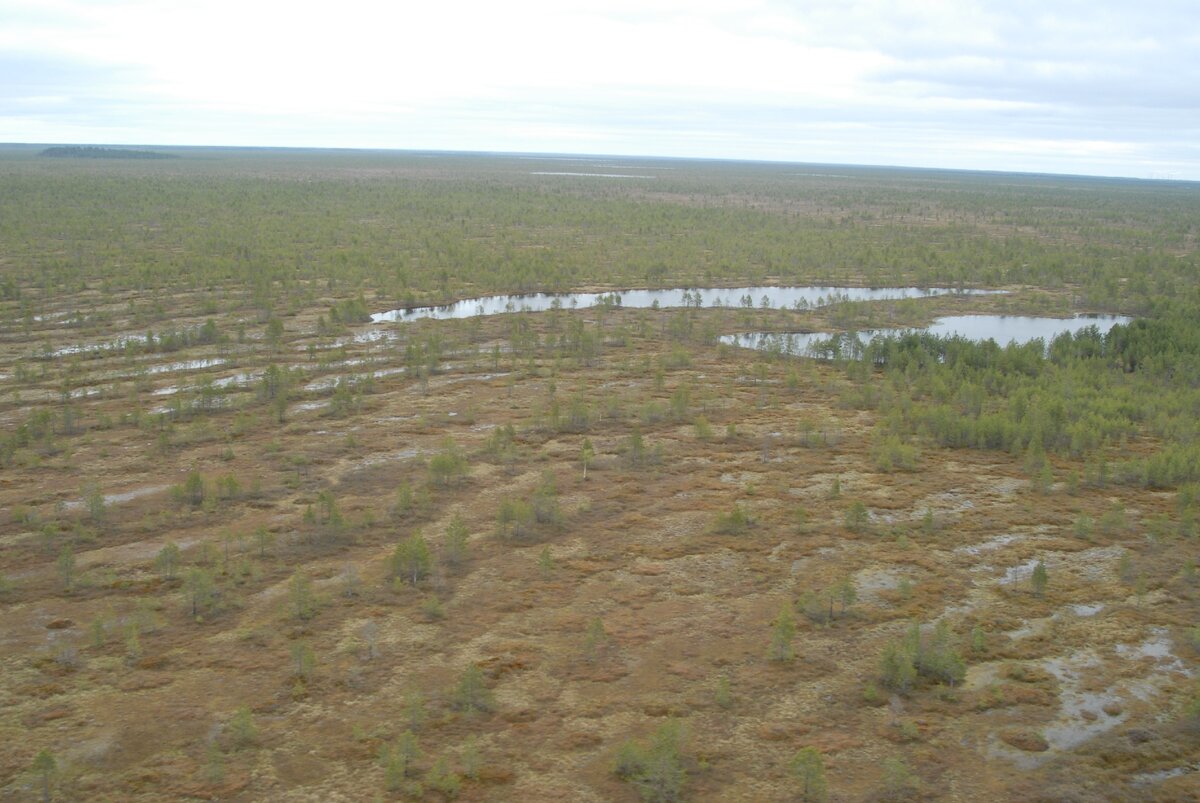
{"x": 1074, "y": 694}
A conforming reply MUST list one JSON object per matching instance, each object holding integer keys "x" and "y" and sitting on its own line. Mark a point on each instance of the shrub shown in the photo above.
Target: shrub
{"x": 411, "y": 560}
{"x": 934, "y": 658}
{"x": 891, "y": 454}
{"x": 442, "y": 779}
{"x": 471, "y": 694}
{"x": 735, "y": 522}
{"x": 655, "y": 769}
{"x": 857, "y": 517}
{"x": 447, "y": 466}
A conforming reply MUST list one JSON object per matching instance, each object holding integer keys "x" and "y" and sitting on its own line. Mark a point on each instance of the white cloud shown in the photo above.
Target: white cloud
{"x": 961, "y": 82}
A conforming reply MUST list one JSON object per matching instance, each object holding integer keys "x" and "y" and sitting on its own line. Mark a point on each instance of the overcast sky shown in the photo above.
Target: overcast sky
{"x": 1107, "y": 87}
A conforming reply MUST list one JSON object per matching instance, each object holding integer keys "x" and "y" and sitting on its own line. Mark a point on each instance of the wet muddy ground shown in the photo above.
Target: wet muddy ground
{"x": 1081, "y": 687}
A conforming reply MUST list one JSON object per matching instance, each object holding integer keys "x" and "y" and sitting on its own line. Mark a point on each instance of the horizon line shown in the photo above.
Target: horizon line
{"x": 580, "y": 154}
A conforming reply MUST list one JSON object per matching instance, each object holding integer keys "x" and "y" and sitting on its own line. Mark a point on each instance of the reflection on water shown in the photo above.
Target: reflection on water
{"x": 751, "y": 297}
{"x": 1003, "y": 329}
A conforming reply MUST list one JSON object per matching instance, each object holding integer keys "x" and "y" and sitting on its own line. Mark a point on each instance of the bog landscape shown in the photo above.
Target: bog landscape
{"x": 346, "y": 475}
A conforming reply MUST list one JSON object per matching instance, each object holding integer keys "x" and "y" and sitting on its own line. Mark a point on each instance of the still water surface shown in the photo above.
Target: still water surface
{"x": 1003, "y": 329}
{"x": 804, "y": 297}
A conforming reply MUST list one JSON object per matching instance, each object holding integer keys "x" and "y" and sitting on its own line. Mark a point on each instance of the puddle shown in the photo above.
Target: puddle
{"x": 1091, "y": 564}
{"x": 117, "y": 344}
{"x": 1158, "y": 776}
{"x": 869, "y": 582}
{"x": 121, "y": 498}
{"x": 1022, "y": 571}
{"x": 1032, "y": 627}
{"x": 980, "y": 676}
{"x": 1072, "y": 727}
{"x": 1081, "y": 715}
{"x": 1083, "y": 611}
{"x": 474, "y": 378}
{"x": 185, "y": 365}
{"x": 402, "y": 454}
{"x": 328, "y": 383}
{"x": 1157, "y": 648}
{"x": 331, "y": 382}
{"x": 997, "y": 542}
{"x": 244, "y": 378}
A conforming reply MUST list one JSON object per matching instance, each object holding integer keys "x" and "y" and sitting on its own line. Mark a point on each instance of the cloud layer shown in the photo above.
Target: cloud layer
{"x": 1105, "y": 87}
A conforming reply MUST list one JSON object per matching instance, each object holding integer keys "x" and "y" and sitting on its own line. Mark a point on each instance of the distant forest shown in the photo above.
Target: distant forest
{"x": 96, "y": 152}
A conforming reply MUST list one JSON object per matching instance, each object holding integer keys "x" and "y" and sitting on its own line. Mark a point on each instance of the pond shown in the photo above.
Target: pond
{"x": 1003, "y": 329}
{"x": 795, "y": 297}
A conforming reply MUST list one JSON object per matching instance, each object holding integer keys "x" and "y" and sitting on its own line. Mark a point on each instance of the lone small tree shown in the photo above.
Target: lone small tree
{"x": 66, "y": 568}
{"x": 847, "y": 593}
{"x": 809, "y": 769}
{"x": 449, "y": 465}
{"x": 412, "y": 560}
{"x": 264, "y": 538}
{"x": 857, "y": 517}
{"x": 200, "y": 589}
{"x": 454, "y": 548}
{"x": 1039, "y": 579}
{"x": 400, "y": 759}
{"x": 586, "y": 454}
{"x": 46, "y": 767}
{"x": 471, "y": 694}
{"x": 782, "y": 633}
{"x": 595, "y": 640}
{"x": 303, "y": 660}
{"x": 167, "y": 561}
{"x": 243, "y": 732}
{"x": 301, "y": 594}
{"x": 94, "y": 501}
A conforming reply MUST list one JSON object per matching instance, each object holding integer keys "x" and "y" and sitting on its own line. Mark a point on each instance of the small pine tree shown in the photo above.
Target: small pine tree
{"x": 300, "y": 592}
{"x": 586, "y": 454}
{"x": 655, "y": 770}
{"x": 46, "y": 767}
{"x": 471, "y": 759}
{"x": 847, "y": 593}
{"x": 412, "y": 560}
{"x": 414, "y": 710}
{"x": 133, "y": 644}
{"x": 243, "y": 732}
{"x": 1039, "y": 579}
{"x": 443, "y": 779}
{"x": 857, "y": 517}
{"x": 303, "y": 660}
{"x": 782, "y": 633}
{"x": 167, "y": 561}
{"x": 595, "y": 640}
{"x": 201, "y": 590}
{"x": 454, "y": 551}
{"x": 898, "y": 779}
{"x": 66, "y": 568}
{"x": 809, "y": 770}
{"x": 978, "y": 639}
{"x": 724, "y": 694}
{"x": 471, "y": 694}
{"x": 545, "y": 561}
{"x": 896, "y": 669}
